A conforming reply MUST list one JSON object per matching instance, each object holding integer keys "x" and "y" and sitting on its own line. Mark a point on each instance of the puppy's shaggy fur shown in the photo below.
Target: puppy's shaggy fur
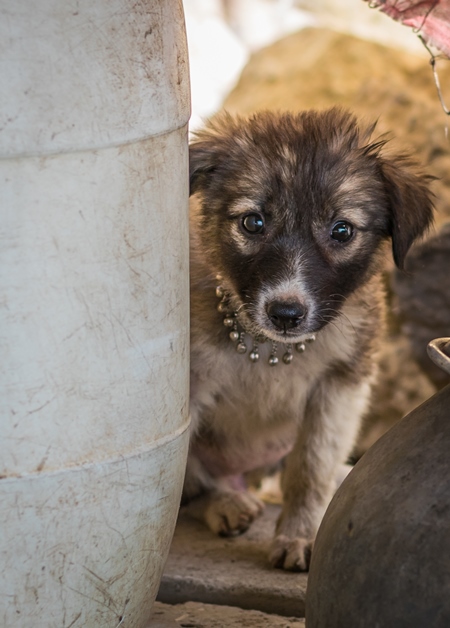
{"x": 292, "y": 212}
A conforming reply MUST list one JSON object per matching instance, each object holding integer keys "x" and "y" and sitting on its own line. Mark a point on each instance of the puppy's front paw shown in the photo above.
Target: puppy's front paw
{"x": 231, "y": 513}
{"x": 293, "y": 554}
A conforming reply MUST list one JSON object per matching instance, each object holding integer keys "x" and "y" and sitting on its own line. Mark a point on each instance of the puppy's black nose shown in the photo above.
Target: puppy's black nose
{"x": 285, "y": 315}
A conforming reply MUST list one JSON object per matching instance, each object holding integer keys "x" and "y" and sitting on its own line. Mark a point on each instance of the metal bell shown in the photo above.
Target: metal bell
{"x": 253, "y": 356}
{"x": 287, "y": 357}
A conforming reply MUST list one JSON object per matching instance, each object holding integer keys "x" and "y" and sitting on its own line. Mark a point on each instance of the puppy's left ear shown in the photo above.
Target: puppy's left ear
{"x": 410, "y": 203}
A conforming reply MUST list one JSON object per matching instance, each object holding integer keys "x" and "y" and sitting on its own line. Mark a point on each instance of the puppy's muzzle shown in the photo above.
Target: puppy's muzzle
{"x": 286, "y": 315}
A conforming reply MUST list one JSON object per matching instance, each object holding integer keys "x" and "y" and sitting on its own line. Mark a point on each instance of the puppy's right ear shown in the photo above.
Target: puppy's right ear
{"x": 203, "y": 160}
{"x": 211, "y": 147}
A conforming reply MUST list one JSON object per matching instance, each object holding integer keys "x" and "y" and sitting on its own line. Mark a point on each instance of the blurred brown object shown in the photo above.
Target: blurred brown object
{"x": 402, "y": 386}
{"x": 422, "y": 299}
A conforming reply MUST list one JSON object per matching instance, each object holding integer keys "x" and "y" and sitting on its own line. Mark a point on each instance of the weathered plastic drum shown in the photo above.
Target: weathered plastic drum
{"x": 94, "y": 104}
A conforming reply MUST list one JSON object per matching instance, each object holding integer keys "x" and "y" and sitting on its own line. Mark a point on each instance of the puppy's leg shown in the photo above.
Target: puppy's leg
{"x": 221, "y": 503}
{"x": 324, "y": 441}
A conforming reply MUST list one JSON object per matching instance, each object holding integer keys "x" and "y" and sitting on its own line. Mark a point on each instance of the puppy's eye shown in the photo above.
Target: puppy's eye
{"x": 253, "y": 223}
{"x": 342, "y": 231}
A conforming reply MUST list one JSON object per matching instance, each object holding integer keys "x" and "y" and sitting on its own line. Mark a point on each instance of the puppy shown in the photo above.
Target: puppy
{"x": 289, "y": 217}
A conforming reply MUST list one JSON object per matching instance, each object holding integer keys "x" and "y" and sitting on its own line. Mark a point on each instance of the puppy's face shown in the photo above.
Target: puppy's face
{"x": 294, "y": 209}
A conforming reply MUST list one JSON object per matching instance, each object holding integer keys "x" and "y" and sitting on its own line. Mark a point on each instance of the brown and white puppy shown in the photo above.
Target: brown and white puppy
{"x": 291, "y": 212}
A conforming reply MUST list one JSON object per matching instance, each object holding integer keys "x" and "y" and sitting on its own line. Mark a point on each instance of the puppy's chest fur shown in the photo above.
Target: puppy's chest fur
{"x": 246, "y": 415}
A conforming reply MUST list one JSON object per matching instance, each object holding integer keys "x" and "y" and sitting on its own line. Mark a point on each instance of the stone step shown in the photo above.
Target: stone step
{"x": 203, "y": 567}
{"x": 197, "y": 615}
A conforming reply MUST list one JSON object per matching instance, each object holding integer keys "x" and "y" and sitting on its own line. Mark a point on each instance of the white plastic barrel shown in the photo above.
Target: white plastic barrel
{"x": 94, "y": 104}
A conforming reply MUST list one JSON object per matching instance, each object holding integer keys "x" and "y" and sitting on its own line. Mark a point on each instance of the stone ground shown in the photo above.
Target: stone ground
{"x": 197, "y": 615}
{"x": 228, "y": 578}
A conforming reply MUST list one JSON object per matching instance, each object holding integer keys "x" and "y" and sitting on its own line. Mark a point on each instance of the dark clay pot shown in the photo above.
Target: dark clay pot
{"x": 382, "y": 553}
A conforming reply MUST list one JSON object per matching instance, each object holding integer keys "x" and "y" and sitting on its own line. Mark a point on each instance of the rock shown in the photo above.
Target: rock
{"x": 197, "y": 615}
